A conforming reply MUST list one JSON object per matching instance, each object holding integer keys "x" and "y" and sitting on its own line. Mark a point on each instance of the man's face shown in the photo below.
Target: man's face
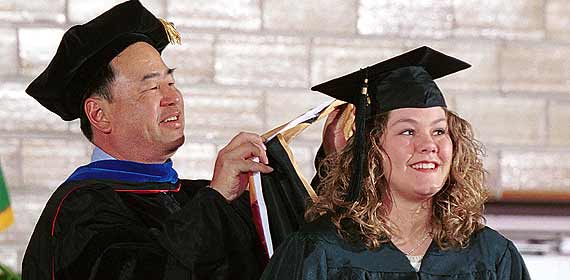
{"x": 146, "y": 113}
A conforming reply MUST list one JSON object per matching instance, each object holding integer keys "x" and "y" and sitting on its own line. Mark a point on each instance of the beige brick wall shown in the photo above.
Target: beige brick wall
{"x": 248, "y": 64}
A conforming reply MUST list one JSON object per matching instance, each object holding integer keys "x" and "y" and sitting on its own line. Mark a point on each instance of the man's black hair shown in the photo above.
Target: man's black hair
{"x": 100, "y": 86}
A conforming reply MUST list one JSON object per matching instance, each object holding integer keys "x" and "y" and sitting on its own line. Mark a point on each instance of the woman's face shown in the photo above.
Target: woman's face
{"x": 417, "y": 152}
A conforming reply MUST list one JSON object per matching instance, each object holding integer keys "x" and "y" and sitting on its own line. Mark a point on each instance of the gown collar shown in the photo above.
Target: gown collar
{"x": 129, "y": 175}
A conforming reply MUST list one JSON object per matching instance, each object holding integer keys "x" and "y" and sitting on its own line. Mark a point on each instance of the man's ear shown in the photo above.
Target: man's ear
{"x": 97, "y": 114}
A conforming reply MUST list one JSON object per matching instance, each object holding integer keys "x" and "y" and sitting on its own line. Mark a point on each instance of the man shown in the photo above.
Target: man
{"x": 126, "y": 215}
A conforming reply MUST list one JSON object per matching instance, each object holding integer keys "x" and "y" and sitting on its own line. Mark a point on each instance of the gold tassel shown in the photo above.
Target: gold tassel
{"x": 171, "y": 32}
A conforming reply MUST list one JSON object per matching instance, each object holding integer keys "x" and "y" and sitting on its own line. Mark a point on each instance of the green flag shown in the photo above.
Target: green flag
{"x": 6, "y": 215}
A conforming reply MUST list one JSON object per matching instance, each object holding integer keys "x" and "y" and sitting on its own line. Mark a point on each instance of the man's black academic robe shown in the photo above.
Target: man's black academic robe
{"x": 111, "y": 230}
{"x": 317, "y": 252}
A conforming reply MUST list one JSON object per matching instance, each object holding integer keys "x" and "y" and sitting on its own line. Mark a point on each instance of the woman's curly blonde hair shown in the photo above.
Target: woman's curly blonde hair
{"x": 457, "y": 209}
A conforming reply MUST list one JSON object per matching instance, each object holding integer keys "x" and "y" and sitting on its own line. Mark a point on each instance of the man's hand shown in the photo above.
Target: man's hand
{"x": 235, "y": 162}
{"x": 338, "y": 128}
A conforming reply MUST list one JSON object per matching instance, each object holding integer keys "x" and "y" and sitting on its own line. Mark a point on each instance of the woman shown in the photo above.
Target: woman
{"x": 404, "y": 199}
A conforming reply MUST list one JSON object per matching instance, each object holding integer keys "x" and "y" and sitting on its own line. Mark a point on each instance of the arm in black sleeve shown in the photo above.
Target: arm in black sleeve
{"x": 512, "y": 265}
{"x": 214, "y": 239}
{"x": 96, "y": 237}
{"x": 298, "y": 258}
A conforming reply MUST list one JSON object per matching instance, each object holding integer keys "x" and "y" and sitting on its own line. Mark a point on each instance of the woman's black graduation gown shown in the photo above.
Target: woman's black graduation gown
{"x": 317, "y": 252}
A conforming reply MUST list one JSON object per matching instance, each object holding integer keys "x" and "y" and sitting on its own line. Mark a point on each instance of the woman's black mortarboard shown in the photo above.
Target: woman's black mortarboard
{"x": 404, "y": 81}
{"x": 85, "y": 48}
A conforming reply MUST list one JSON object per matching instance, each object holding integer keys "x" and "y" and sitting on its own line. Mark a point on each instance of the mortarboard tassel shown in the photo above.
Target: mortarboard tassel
{"x": 359, "y": 149}
{"x": 171, "y": 32}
